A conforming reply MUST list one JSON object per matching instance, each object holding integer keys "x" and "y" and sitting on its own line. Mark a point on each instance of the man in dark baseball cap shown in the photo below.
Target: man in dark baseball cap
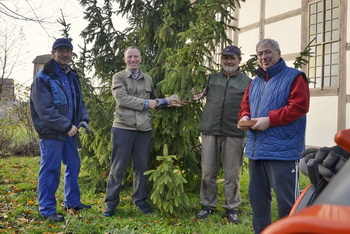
{"x": 57, "y": 111}
{"x": 62, "y": 42}
{"x": 231, "y": 50}
{"x": 221, "y": 139}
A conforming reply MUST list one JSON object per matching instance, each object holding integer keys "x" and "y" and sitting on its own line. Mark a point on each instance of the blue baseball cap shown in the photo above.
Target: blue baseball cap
{"x": 62, "y": 42}
{"x": 230, "y": 50}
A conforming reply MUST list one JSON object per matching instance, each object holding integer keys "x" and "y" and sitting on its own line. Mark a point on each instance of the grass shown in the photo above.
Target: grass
{"x": 19, "y": 208}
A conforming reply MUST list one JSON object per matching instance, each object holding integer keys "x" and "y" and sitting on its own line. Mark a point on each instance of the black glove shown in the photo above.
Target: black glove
{"x": 161, "y": 103}
{"x": 329, "y": 160}
{"x": 84, "y": 125}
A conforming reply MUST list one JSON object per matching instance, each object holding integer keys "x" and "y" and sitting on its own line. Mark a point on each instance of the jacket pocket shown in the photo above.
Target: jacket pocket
{"x": 58, "y": 96}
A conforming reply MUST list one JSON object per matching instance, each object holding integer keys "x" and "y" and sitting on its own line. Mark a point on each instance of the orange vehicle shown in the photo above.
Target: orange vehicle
{"x": 322, "y": 207}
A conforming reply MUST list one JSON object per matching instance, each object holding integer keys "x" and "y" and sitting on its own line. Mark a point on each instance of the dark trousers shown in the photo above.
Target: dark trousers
{"x": 283, "y": 178}
{"x": 124, "y": 144}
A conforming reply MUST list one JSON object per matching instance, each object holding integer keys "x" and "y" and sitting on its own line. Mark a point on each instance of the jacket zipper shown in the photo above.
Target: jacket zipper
{"x": 223, "y": 103}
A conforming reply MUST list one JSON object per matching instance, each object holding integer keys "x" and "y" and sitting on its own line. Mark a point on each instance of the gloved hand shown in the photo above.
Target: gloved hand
{"x": 84, "y": 125}
{"x": 161, "y": 103}
{"x": 329, "y": 160}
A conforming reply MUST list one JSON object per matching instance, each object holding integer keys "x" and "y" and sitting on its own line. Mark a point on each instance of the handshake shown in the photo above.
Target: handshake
{"x": 171, "y": 101}
{"x": 174, "y": 101}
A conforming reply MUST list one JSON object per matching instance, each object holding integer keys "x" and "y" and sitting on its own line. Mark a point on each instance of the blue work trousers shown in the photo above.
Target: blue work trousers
{"x": 53, "y": 151}
{"x": 124, "y": 144}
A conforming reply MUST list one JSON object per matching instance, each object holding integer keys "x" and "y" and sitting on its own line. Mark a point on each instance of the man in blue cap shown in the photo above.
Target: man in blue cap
{"x": 222, "y": 141}
{"x": 57, "y": 109}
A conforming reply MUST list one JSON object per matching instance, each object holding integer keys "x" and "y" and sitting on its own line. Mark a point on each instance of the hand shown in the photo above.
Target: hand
{"x": 262, "y": 124}
{"x": 174, "y": 101}
{"x": 161, "y": 103}
{"x": 244, "y": 118}
{"x": 72, "y": 131}
{"x": 152, "y": 104}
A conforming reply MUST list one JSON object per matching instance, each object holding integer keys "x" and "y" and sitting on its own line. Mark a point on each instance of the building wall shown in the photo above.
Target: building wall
{"x": 287, "y": 22}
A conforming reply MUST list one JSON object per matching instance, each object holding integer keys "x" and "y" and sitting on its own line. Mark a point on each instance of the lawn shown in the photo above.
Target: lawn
{"x": 19, "y": 208}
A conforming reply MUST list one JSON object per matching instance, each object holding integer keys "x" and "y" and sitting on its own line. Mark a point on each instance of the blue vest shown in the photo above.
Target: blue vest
{"x": 285, "y": 142}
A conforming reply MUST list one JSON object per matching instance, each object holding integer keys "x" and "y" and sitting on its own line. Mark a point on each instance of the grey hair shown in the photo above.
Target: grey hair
{"x": 274, "y": 44}
{"x": 131, "y": 47}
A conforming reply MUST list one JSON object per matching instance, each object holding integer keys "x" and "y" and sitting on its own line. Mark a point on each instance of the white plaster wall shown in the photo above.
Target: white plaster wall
{"x": 347, "y": 115}
{"x": 249, "y": 13}
{"x": 277, "y": 7}
{"x": 348, "y": 73}
{"x": 287, "y": 33}
{"x": 247, "y": 41}
{"x": 348, "y": 25}
{"x": 321, "y": 124}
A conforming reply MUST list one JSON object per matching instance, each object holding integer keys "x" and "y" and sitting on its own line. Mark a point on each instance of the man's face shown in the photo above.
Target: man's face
{"x": 230, "y": 63}
{"x": 62, "y": 55}
{"x": 132, "y": 59}
{"x": 267, "y": 56}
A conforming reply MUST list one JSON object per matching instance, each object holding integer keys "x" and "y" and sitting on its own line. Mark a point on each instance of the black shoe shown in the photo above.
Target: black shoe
{"x": 108, "y": 212}
{"x": 144, "y": 208}
{"x": 55, "y": 217}
{"x": 76, "y": 208}
{"x": 204, "y": 213}
{"x": 232, "y": 216}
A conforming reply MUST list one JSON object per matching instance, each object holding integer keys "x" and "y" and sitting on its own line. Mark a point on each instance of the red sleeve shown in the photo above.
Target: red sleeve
{"x": 298, "y": 104}
{"x": 245, "y": 108}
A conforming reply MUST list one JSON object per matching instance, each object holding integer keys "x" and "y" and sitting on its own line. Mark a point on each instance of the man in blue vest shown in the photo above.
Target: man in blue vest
{"x": 57, "y": 109}
{"x": 221, "y": 137}
{"x": 278, "y": 99}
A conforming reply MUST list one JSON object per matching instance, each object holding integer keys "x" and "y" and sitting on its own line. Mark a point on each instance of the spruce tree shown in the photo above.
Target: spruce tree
{"x": 178, "y": 40}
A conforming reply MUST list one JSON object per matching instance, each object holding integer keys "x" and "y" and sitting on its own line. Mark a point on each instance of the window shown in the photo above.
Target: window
{"x": 324, "y": 34}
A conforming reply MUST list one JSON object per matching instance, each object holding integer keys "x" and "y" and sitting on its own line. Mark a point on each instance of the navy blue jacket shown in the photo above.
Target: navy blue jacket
{"x": 49, "y": 104}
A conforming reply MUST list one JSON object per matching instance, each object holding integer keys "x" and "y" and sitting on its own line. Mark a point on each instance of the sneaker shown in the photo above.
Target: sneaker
{"x": 204, "y": 213}
{"x": 232, "y": 216}
{"x": 144, "y": 208}
{"x": 76, "y": 208}
{"x": 108, "y": 212}
{"x": 55, "y": 217}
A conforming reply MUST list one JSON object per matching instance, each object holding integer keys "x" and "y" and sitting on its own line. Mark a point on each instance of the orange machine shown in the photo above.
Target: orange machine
{"x": 322, "y": 207}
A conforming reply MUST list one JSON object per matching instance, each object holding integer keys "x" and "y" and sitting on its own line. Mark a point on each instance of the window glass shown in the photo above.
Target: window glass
{"x": 324, "y": 28}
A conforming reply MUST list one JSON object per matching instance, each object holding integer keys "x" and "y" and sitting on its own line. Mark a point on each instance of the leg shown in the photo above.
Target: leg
{"x": 232, "y": 166}
{"x": 140, "y": 166}
{"x": 71, "y": 159}
{"x": 285, "y": 183}
{"x": 49, "y": 175}
{"x": 122, "y": 144}
{"x": 259, "y": 195}
{"x": 210, "y": 167}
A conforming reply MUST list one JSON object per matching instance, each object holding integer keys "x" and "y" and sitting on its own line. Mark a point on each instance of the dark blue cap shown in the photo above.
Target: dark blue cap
{"x": 230, "y": 50}
{"x": 62, "y": 42}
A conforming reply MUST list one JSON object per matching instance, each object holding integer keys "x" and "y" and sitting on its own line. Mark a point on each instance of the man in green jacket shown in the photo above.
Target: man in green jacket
{"x": 221, "y": 137}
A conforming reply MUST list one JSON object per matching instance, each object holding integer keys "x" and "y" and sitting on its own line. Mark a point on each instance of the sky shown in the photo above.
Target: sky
{"x": 37, "y": 39}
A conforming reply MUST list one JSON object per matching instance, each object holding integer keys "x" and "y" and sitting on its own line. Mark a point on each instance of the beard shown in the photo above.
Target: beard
{"x": 230, "y": 69}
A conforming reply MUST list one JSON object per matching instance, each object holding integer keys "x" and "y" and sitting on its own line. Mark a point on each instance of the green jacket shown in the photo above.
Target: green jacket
{"x": 130, "y": 95}
{"x": 223, "y": 99}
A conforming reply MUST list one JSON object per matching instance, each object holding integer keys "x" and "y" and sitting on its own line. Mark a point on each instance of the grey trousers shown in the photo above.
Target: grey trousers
{"x": 126, "y": 144}
{"x": 231, "y": 150}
